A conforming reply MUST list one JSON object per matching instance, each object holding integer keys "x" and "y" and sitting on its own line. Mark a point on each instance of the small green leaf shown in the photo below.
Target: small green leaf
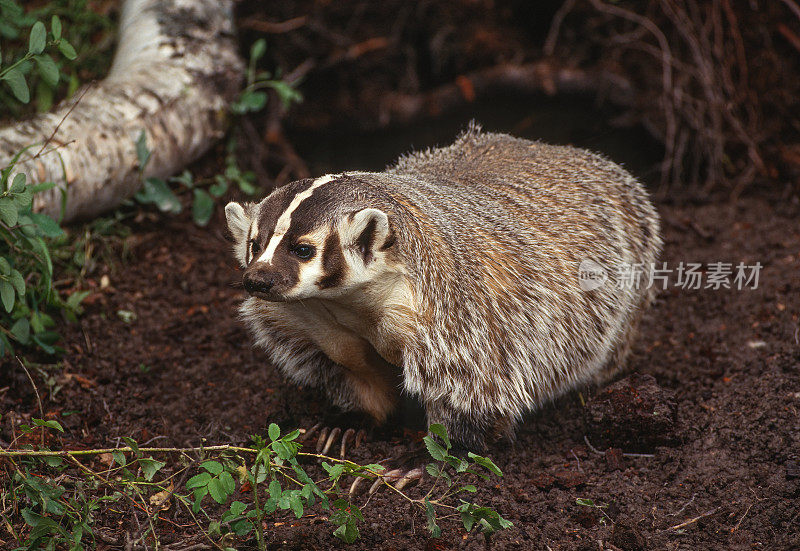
{"x": 55, "y": 27}
{"x": 199, "y": 480}
{"x": 202, "y": 207}
{"x": 46, "y": 340}
{"x": 214, "y": 467}
{"x": 150, "y": 467}
{"x": 199, "y": 494}
{"x": 441, "y": 432}
{"x": 38, "y": 38}
{"x": 5, "y": 346}
{"x": 434, "y": 448}
{"x": 47, "y": 69}
{"x": 275, "y": 489}
{"x": 274, "y": 431}
{"x": 286, "y": 93}
{"x": 157, "y": 191}
{"x": 54, "y": 461}
{"x": 66, "y": 49}
{"x": 430, "y": 514}
{"x": 219, "y": 188}
{"x": 270, "y": 505}
{"x": 142, "y": 153}
{"x": 291, "y": 436}
{"x": 296, "y": 504}
{"x": 469, "y": 488}
{"x": 23, "y": 198}
{"x": 44, "y": 186}
{"x": 18, "y": 183}
{"x": 282, "y": 451}
{"x": 8, "y": 211}
{"x": 334, "y": 471}
{"x": 40, "y": 321}
{"x": 7, "y": 295}
{"x": 119, "y": 458}
{"x": 132, "y": 445}
{"x": 52, "y": 424}
{"x": 253, "y": 101}
{"x": 237, "y": 508}
{"x": 486, "y": 463}
{"x": 75, "y": 299}
{"x": 16, "y": 81}
{"x": 216, "y": 490}
{"x": 227, "y": 481}
{"x": 5, "y": 267}
{"x": 261, "y": 477}
{"x": 47, "y": 225}
{"x": 468, "y": 521}
{"x": 185, "y": 178}
{"x": 258, "y": 49}
{"x": 241, "y": 528}
{"x": 432, "y": 469}
{"x": 584, "y": 501}
{"x": 348, "y": 533}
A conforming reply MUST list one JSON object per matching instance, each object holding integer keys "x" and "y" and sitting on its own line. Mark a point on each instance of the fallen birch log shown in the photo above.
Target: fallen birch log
{"x": 175, "y": 71}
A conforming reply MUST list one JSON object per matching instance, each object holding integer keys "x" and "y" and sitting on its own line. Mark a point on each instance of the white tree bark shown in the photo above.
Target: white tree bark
{"x": 174, "y": 73}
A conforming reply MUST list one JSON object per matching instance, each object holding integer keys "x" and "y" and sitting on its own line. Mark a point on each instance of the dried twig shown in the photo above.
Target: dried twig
{"x": 555, "y": 27}
{"x": 35, "y": 390}
{"x": 695, "y": 519}
{"x": 274, "y": 28}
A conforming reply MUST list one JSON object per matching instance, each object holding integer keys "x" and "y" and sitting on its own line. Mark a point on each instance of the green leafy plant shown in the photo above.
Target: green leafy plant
{"x": 27, "y": 238}
{"x": 26, "y": 269}
{"x": 253, "y": 98}
{"x": 39, "y": 77}
{"x": 205, "y": 193}
{"x": 37, "y": 57}
{"x": 450, "y": 470}
{"x": 55, "y": 500}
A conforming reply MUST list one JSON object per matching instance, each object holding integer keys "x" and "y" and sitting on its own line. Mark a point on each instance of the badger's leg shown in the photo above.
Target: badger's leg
{"x": 619, "y": 358}
{"x": 326, "y": 356}
{"x": 466, "y": 431}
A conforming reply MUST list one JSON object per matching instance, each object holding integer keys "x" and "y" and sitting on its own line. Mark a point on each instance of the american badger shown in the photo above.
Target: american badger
{"x": 452, "y": 276}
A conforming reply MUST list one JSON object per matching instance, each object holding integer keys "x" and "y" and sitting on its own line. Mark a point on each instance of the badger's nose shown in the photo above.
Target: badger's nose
{"x": 258, "y": 282}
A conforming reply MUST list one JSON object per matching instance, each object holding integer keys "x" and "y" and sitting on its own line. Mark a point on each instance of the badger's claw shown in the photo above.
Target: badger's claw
{"x": 346, "y": 437}
{"x": 334, "y": 434}
{"x": 326, "y": 438}
{"x": 309, "y": 433}
{"x": 399, "y": 478}
{"x": 412, "y": 476}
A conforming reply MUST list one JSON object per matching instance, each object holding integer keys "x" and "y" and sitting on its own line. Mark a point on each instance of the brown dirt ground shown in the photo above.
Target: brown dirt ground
{"x": 726, "y": 362}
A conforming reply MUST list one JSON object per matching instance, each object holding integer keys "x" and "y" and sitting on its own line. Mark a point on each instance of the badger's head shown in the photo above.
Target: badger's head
{"x": 311, "y": 238}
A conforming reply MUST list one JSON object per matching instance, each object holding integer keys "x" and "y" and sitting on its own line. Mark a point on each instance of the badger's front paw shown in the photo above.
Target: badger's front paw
{"x": 399, "y": 478}
{"x": 327, "y": 437}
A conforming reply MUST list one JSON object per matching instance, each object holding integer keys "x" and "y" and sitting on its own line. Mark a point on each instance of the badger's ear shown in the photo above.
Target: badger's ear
{"x": 369, "y": 231}
{"x": 238, "y": 220}
{"x": 239, "y": 217}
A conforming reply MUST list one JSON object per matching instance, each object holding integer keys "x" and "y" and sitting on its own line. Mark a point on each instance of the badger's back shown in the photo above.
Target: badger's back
{"x": 494, "y": 230}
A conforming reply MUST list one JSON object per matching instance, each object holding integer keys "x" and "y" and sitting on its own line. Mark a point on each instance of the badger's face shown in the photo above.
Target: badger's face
{"x": 305, "y": 241}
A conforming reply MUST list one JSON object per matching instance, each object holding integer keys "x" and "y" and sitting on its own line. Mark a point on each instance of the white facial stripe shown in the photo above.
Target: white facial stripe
{"x": 285, "y": 219}
{"x": 252, "y": 235}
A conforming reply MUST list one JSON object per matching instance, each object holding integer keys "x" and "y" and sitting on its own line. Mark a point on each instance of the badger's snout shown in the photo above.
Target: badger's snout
{"x": 262, "y": 283}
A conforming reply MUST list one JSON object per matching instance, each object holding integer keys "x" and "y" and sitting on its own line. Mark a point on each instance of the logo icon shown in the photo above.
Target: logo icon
{"x": 591, "y": 275}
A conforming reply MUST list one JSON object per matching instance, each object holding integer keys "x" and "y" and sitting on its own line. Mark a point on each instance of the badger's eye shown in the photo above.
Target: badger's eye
{"x": 254, "y": 248}
{"x": 303, "y": 252}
